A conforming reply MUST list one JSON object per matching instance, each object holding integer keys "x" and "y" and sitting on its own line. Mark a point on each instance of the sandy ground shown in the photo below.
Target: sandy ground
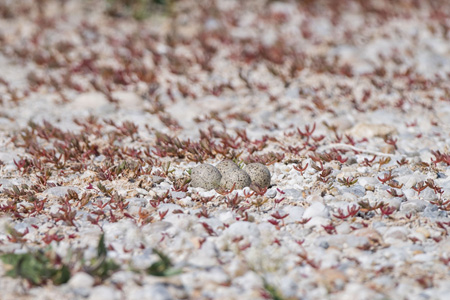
{"x": 103, "y": 118}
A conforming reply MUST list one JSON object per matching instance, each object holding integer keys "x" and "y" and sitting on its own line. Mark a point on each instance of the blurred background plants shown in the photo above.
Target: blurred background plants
{"x": 138, "y": 9}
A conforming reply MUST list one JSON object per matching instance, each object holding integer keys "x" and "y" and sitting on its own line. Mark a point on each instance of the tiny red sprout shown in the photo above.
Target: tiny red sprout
{"x": 330, "y": 229}
{"x": 437, "y": 239}
{"x": 245, "y": 218}
{"x": 258, "y": 190}
{"x": 100, "y": 204}
{"x": 112, "y": 218}
{"x": 248, "y": 194}
{"x": 316, "y": 167}
{"x": 278, "y": 201}
{"x": 402, "y": 162}
{"x": 394, "y": 193}
{"x": 237, "y": 239}
{"x": 412, "y": 124}
{"x": 391, "y": 141}
{"x": 338, "y": 138}
{"x": 201, "y": 241}
{"x": 299, "y": 242}
{"x": 293, "y": 150}
{"x": 280, "y": 191}
{"x": 414, "y": 239}
{"x": 445, "y": 260}
{"x": 383, "y": 161}
{"x": 386, "y": 177}
{"x": 441, "y": 225}
{"x": 245, "y": 246}
{"x": 276, "y": 241}
{"x": 279, "y": 216}
{"x": 318, "y": 138}
{"x": 395, "y": 184}
{"x": 326, "y": 172}
{"x": 162, "y": 214}
{"x": 225, "y": 192}
{"x": 203, "y": 213}
{"x": 233, "y": 202}
{"x": 308, "y": 132}
{"x": 351, "y": 212}
{"x": 387, "y": 210}
{"x": 47, "y": 239}
{"x": 300, "y": 168}
{"x": 304, "y": 259}
{"x": 208, "y": 229}
{"x": 419, "y": 187}
{"x": 128, "y": 216}
{"x": 368, "y": 163}
{"x": 350, "y": 140}
{"x": 408, "y": 216}
{"x": 349, "y": 181}
{"x": 304, "y": 221}
{"x": 94, "y": 221}
{"x": 442, "y": 204}
{"x": 274, "y": 222}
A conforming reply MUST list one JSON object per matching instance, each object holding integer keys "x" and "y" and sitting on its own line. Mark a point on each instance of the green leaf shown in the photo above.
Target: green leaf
{"x": 163, "y": 267}
{"x": 273, "y": 292}
{"x": 61, "y": 276}
{"x": 35, "y": 267}
{"x": 102, "y": 267}
{"x": 101, "y": 248}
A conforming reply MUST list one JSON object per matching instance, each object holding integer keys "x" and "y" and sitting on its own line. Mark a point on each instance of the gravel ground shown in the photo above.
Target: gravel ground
{"x": 103, "y": 117}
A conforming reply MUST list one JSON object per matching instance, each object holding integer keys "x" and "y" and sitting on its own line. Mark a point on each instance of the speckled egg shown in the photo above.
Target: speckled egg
{"x": 205, "y": 176}
{"x": 226, "y": 166}
{"x": 238, "y": 176}
{"x": 259, "y": 174}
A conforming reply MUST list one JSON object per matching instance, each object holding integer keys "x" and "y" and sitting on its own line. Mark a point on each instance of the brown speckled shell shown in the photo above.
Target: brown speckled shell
{"x": 238, "y": 176}
{"x": 205, "y": 176}
{"x": 226, "y": 165}
{"x": 259, "y": 174}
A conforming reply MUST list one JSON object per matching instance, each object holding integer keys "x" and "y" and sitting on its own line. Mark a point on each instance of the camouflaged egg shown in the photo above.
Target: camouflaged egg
{"x": 259, "y": 174}
{"x": 226, "y": 166}
{"x": 238, "y": 177}
{"x": 205, "y": 176}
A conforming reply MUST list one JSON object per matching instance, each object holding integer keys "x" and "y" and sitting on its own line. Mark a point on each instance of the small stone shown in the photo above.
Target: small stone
{"x": 390, "y": 149}
{"x": 343, "y": 228}
{"x": 61, "y": 191}
{"x": 424, "y": 231}
{"x": 259, "y": 174}
{"x": 104, "y": 292}
{"x": 317, "y": 209}
{"x": 152, "y": 292}
{"x": 413, "y": 206}
{"x": 81, "y": 280}
{"x": 238, "y": 177}
{"x": 324, "y": 244}
{"x": 226, "y": 165}
{"x": 396, "y": 233}
{"x": 371, "y": 234}
{"x": 367, "y": 130}
{"x": 205, "y": 176}
{"x": 271, "y": 193}
{"x": 333, "y": 278}
{"x": 295, "y": 213}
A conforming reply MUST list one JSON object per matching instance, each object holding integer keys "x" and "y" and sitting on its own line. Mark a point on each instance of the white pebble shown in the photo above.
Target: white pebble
{"x": 317, "y": 209}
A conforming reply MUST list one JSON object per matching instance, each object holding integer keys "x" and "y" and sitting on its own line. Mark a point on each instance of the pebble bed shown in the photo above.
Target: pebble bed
{"x": 104, "y": 118}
